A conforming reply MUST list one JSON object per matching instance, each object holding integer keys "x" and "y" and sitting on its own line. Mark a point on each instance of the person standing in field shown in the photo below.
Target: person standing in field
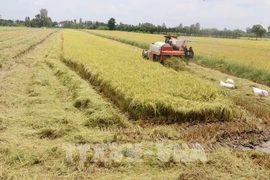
{"x": 167, "y": 38}
{"x": 187, "y": 57}
{"x": 191, "y": 52}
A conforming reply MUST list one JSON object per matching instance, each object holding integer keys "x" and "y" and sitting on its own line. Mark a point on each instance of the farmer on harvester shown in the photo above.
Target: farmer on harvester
{"x": 167, "y": 39}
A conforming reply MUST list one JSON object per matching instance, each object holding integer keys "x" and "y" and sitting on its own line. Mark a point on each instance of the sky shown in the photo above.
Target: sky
{"x": 220, "y": 14}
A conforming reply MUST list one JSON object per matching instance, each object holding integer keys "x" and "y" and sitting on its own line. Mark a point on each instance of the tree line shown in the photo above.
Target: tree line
{"x": 43, "y": 20}
{"x": 192, "y": 30}
{"x": 40, "y": 20}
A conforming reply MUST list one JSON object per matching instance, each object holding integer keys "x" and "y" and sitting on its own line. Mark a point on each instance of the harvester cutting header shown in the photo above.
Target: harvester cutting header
{"x": 171, "y": 47}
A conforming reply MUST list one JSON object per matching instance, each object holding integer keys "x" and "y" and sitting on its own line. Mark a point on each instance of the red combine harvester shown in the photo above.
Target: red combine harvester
{"x": 171, "y": 47}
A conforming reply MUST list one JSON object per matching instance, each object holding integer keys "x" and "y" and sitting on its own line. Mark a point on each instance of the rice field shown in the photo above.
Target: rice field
{"x": 246, "y": 58}
{"x": 68, "y": 92}
{"x": 144, "y": 89}
{"x": 15, "y": 42}
{"x": 250, "y": 52}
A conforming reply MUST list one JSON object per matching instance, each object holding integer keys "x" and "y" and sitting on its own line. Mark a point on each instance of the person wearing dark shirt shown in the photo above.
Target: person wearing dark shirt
{"x": 191, "y": 53}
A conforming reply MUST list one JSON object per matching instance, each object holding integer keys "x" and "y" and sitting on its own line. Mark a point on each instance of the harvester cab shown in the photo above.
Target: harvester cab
{"x": 172, "y": 46}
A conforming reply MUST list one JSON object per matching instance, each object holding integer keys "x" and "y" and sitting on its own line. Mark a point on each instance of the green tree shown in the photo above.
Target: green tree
{"x": 268, "y": 28}
{"x": 198, "y": 27}
{"x": 258, "y": 30}
{"x": 55, "y": 24}
{"x": 38, "y": 21}
{"x": 164, "y": 28}
{"x": 27, "y": 22}
{"x": 186, "y": 30}
{"x": 44, "y": 17}
{"x": 248, "y": 30}
{"x": 48, "y": 22}
{"x": 192, "y": 29}
{"x": 34, "y": 23}
{"x": 111, "y": 24}
{"x": 181, "y": 26}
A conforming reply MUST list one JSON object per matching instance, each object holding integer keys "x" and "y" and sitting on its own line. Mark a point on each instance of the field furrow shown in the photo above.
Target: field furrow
{"x": 99, "y": 112}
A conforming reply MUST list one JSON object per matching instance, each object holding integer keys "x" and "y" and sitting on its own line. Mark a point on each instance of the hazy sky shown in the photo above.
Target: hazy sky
{"x": 230, "y": 14}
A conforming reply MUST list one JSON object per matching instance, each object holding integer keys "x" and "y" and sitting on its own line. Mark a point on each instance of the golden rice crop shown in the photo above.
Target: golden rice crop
{"x": 143, "y": 88}
{"x": 7, "y": 33}
{"x": 98, "y": 112}
{"x": 15, "y": 42}
{"x": 244, "y": 51}
{"x": 9, "y": 28}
